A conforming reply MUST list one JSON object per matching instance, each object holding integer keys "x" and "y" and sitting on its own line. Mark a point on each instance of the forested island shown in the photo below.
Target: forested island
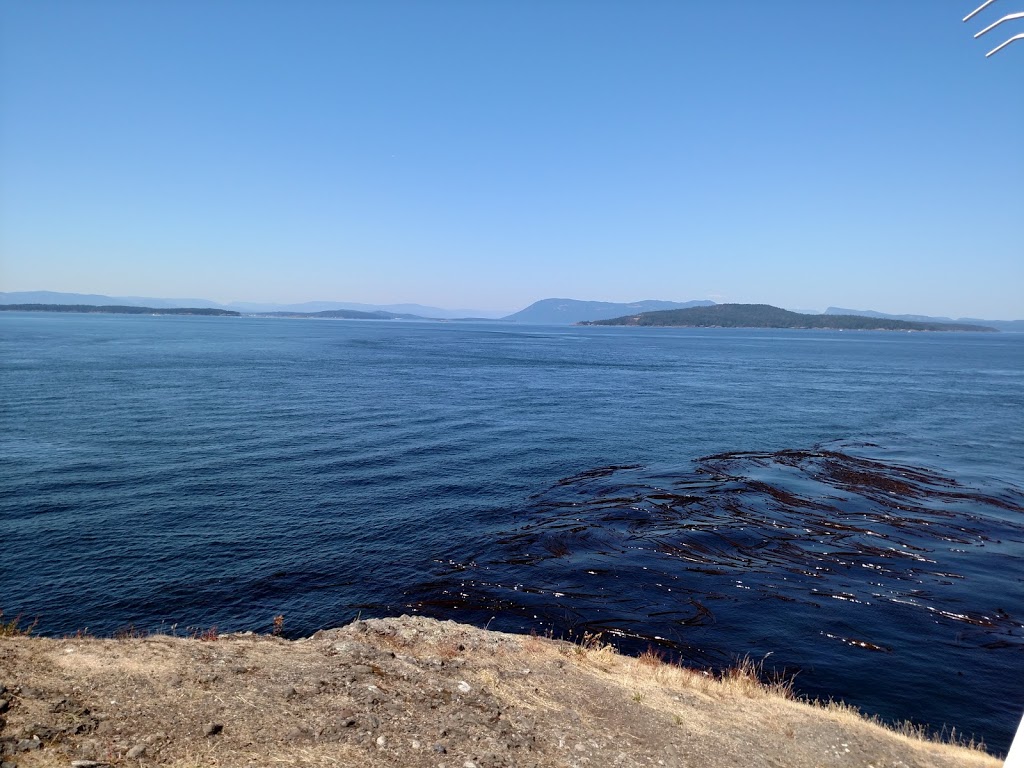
{"x": 767, "y": 316}
{"x": 117, "y": 309}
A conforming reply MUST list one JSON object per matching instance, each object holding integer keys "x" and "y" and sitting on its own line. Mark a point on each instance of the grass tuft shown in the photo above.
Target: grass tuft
{"x": 906, "y": 728}
{"x": 205, "y": 635}
{"x": 13, "y": 628}
{"x": 652, "y": 657}
{"x": 130, "y": 633}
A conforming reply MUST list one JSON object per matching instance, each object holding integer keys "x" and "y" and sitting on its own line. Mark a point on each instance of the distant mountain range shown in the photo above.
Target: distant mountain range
{"x": 570, "y": 311}
{"x": 245, "y": 307}
{"x": 767, "y": 316}
{"x": 543, "y": 312}
{"x": 115, "y": 309}
{"x": 1001, "y": 325}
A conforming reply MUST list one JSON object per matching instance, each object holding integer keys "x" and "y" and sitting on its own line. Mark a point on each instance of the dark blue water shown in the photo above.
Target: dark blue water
{"x": 847, "y": 505}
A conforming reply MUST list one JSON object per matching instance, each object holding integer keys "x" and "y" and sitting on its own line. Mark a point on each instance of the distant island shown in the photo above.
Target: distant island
{"x": 767, "y": 316}
{"x": 555, "y": 311}
{"x": 122, "y": 309}
{"x": 117, "y": 309}
{"x": 571, "y": 311}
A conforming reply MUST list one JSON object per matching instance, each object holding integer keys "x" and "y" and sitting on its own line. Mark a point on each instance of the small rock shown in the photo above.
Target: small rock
{"x": 346, "y": 647}
{"x": 464, "y": 686}
{"x": 136, "y": 752}
{"x": 5, "y": 764}
{"x": 469, "y": 764}
{"x": 39, "y": 731}
{"x": 87, "y": 764}
{"x": 416, "y": 744}
{"x": 28, "y": 745}
{"x": 212, "y": 729}
{"x": 382, "y": 742}
{"x": 440, "y": 749}
{"x": 289, "y": 692}
{"x": 4, "y": 705}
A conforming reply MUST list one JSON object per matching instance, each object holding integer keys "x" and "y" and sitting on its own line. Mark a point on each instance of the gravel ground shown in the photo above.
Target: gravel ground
{"x": 411, "y": 691}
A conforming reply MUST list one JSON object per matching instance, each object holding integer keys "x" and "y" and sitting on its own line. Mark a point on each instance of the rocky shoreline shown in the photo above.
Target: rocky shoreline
{"x": 412, "y": 691}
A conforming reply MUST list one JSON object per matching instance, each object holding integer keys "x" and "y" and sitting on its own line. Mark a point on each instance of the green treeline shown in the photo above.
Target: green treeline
{"x": 767, "y": 316}
{"x": 117, "y": 310}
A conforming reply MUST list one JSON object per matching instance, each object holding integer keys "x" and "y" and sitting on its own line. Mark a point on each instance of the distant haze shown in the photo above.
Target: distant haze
{"x": 488, "y": 155}
{"x": 557, "y": 311}
{"x": 55, "y": 297}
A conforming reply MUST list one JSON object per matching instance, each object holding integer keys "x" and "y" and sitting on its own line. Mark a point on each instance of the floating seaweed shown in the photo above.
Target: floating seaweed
{"x": 819, "y": 558}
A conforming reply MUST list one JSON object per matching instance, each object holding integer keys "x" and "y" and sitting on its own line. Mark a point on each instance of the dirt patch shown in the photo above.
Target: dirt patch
{"x": 411, "y": 691}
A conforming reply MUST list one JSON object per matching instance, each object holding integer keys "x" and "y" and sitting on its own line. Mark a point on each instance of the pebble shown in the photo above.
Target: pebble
{"x": 440, "y": 749}
{"x": 464, "y": 686}
{"x": 28, "y": 745}
{"x": 347, "y": 647}
{"x": 382, "y": 742}
{"x": 88, "y": 764}
{"x": 136, "y": 752}
{"x": 212, "y": 729}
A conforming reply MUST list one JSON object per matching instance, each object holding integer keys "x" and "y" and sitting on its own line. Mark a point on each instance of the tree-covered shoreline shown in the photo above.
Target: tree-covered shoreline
{"x": 767, "y": 316}
{"x": 118, "y": 310}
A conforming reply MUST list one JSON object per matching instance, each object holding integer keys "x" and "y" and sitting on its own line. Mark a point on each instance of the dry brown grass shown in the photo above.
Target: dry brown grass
{"x": 843, "y": 712}
{"x": 13, "y": 627}
{"x": 652, "y": 680}
{"x": 280, "y": 702}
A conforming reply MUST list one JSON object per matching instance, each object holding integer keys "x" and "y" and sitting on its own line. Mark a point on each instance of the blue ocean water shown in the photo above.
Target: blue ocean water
{"x": 847, "y": 506}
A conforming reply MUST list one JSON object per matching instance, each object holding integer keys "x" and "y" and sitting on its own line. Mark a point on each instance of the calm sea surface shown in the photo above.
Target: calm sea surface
{"x": 847, "y": 506}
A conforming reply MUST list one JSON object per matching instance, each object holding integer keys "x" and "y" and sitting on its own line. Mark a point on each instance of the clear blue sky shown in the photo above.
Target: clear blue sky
{"x": 485, "y": 154}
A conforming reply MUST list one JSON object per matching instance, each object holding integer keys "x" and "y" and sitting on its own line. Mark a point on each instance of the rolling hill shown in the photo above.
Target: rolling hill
{"x": 571, "y": 311}
{"x": 767, "y": 316}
